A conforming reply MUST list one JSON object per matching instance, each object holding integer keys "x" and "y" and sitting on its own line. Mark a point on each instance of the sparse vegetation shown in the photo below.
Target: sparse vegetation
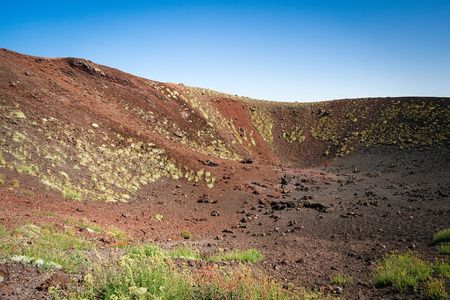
{"x": 405, "y": 271}
{"x": 112, "y": 139}
{"x": 145, "y": 271}
{"x": 185, "y": 234}
{"x": 70, "y": 194}
{"x": 116, "y": 232}
{"x": 444, "y": 248}
{"x": 45, "y": 247}
{"x": 442, "y": 241}
{"x": 341, "y": 278}
{"x": 158, "y": 217}
{"x": 435, "y": 290}
{"x": 251, "y": 255}
{"x": 442, "y": 236}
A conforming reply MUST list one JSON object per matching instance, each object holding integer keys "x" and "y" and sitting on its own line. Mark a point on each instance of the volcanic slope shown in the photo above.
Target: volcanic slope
{"x": 88, "y": 141}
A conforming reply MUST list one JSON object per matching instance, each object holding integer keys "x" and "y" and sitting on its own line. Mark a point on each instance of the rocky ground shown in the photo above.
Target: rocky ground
{"x": 313, "y": 186}
{"x": 310, "y": 224}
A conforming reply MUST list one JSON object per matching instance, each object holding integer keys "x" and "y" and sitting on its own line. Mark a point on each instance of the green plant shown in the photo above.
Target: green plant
{"x": 185, "y": 234}
{"x": 138, "y": 276}
{"x": 49, "y": 250}
{"x": 92, "y": 228}
{"x": 185, "y": 253}
{"x": 441, "y": 268}
{"x": 443, "y": 248}
{"x": 62, "y": 241}
{"x": 147, "y": 250}
{"x": 3, "y": 231}
{"x": 26, "y": 230}
{"x": 251, "y": 255}
{"x": 68, "y": 193}
{"x": 341, "y": 278}
{"x": 435, "y": 290}
{"x": 114, "y": 231}
{"x": 157, "y": 217}
{"x": 15, "y": 183}
{"x": 403, "y": 271}
{"x": 50, "y": 214}
{"x": 24, "y": 169}
{"x": 442, "y": 236}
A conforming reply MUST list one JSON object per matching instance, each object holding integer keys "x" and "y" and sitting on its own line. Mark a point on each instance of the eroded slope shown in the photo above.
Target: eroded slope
{"x": 93, "y": 132}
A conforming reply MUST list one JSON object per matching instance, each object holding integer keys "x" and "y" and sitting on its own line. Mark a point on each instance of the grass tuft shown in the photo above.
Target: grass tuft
{"x": 444, "y": 248}
{"x": 403, "y": 271}
{"x": 185, "y": 235}
{"x": 442, "y": 236}
{"x": 68, "y": 193}
{"x": 341, "y": 278}
{"x": 435, "y": 290}
{"x": 251, "y": 255}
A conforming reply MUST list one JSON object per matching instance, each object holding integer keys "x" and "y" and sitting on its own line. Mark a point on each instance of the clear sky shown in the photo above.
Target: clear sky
{"x": 275, "y": 50}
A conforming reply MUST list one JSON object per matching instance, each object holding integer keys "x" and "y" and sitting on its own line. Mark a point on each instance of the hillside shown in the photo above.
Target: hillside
{"x": 86, "y": 141}
{"x": 86, "y": 129}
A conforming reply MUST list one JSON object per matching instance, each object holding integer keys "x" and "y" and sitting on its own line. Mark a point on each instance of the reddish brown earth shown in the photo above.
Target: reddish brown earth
{"x": 311, "y": 215}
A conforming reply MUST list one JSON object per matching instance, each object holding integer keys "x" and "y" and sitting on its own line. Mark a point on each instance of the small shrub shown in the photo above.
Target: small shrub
{"x": 185, "y": 253}
{"x": 251, "y": 255}
{"x": 68, "y": 193}
{"x": 185, "y": 234}
{"x": 341, "y": 278}
{"x": 28, "y": 230}
{"x": 435, "y": 290}
{"x": 62, "y": 241}
{"x": 442, "y": 236}
{"x": 114, "y": 231}
{"x": 15, "y": 183}
{"x": 3, "y": 231}
{"x": 441, "y": 268}
{"x": 403, "y": 271}
{"x": 443, "y": 248}
{"x": 24, "y": 169}
{"x": 157, "y": 217}
{"x": 147, "y": 250}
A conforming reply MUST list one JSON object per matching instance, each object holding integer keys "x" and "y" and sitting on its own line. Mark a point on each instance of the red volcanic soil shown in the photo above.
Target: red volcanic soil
{"x": 311, "y": 216}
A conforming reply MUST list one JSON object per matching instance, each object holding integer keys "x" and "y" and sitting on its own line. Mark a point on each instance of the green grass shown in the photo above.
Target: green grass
{"x": 44, "y": 247}
{"x": 3, "y": 231}
{"x": 185, "y": 253}
{"x": 62, "y": 241}
{"x": 405, "y": 271}
{"x": 442, "y": 236}
{"x": 116, "y": 232}
{"x": 185, "y": 234}
{"x": 441, "y": 268}
{"x": 341, "y": 278}
{"x": 435, "y": 290}
{"x": 68, "y": 193}
{"x": 250, "y": 255}
{"x": 443, "y": 248}
{"x": 442, "y": 241}
{"x": 158, "y": 217}
{"x": 145, "y": 272}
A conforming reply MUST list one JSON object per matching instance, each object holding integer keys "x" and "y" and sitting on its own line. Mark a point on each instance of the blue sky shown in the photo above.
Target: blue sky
{"x": 275, "y": 50}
